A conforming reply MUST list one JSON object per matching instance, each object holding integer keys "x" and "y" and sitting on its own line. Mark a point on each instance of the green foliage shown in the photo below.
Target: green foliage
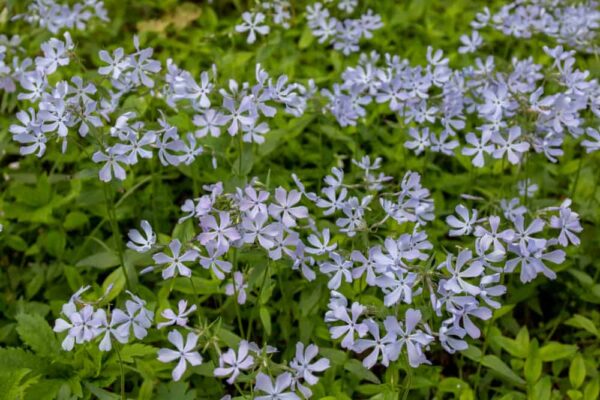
{"x": 544, "y": 343}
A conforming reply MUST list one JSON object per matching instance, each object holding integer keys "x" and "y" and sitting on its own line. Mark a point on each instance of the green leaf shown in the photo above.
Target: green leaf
{"x": 13, "y": 384}
{"x": 498, "y": 366}
{"x": 579, "y": 321}
{"x": 117, "y": 280}
{"x": 542, "y": 390}
{"x": 577, "y": 371}
{"x": 35, "y": 332}
{"x": 55, "y": 243}
{"x": 101, "y": 394}
{"x": 555, "y": 351}
{"x": 306, "y": 39}
{"x": 335, "y": 356}
{"x": 130, "y": 351}
{"x": 511, "y": 346}
{"x": 16, "y": 243}
{"x": 360, "y": 371}
{"x": 592, "y": 389}
{"x": 102, "y": 260}
{"x": 522, "y": 340}
{"x": 533, "y": 363}
{"x": 14, "y": 358}
{"x": 75, "y": 220}
{"x": 265, "y": 319}
{"x": 175, "y": 390}
{"x": 574, "y": 394}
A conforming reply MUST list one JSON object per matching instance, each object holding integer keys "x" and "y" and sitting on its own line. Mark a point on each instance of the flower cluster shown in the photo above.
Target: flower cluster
{"x": 254, "y": 22}
{"x": 123, "y": 139}
{"x": 84, "y": 322}
{"x": 573, "y": 24}
{"x": 11, "y": 65}
{"x": 401, "y": 269}
{"x": 54, "y": 17}
{"x": 345, "y": 34}
{"x": 517, "y": 111}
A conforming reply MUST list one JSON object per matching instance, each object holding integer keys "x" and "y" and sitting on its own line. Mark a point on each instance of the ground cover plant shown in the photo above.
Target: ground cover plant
{"x": 336, "y": 199}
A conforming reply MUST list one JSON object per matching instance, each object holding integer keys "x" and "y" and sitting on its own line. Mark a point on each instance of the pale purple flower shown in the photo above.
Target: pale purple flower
{"x": 142, "y": 243}
{"x": 176, "y": 262}
{"x": 252, "y": 23}
{"x": 185, "y": 353}
{"x": 221, "y": 233}
{"x": 277, "y": 390}
{"x": 231, "y": 363}
{"x": 285, "y": 208}
{"x": 180, "y": 318}
{"x": 464, "y": 225}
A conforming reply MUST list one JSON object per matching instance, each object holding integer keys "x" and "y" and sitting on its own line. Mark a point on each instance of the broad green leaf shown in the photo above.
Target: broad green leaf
{"x": 36, "y": 333}
{"x": 175, "y": 390}
{"x": 498, "y": 366}
{"x": 102, "y": 260}
{"x": 356, "y": 368}
{"x": 15, "y": 358}
{"x": 579, "y": 321}
{"x": 542, "y": 390}
{"x": 533, "y": 363}
{"x": 335, "y": 356}
{"x": 130, "y": 351}
{"x": 592, "y": 389}
{"x": 14, "y": 384}
{"x": 116, "y": 281}
{"x": 577, "y": 371}
{"x": 75, "y": 220}
{"x": 555, "y": 351}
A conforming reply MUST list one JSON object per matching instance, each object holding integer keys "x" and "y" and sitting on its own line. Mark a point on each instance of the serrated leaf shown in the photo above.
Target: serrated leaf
{"x": 36, "y": 333}
{"x": 13, "y": 384}
{"x": 13, "y": 358}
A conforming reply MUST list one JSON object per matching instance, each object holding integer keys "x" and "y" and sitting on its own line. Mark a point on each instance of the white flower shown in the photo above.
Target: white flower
{"x": 464, "y": 225}
{"x": 231, "y": 364}
{"x": 252, "y": 25}
{"x": 176, "y": 260}
{"x": 302, "y": 363}
{"x": 238, "y": 285}
{"x": 275, "y": 391}
{"x": 177, "y": 319}
{"x": 184, "y": 353}
{"x": 142, "y": 243}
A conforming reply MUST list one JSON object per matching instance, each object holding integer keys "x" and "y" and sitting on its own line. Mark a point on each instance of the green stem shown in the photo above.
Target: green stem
{"x": 110, "y": 209}
{"x": 241, "y": 148}
{"x": 408, "y": 380}
{"x": 576, "y": 178}
{"x": 122, "y": 370}
{"x": 262, "y": 286}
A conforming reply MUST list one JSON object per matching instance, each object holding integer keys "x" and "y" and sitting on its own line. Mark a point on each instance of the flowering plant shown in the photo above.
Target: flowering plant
{"x": 282, "y": 200}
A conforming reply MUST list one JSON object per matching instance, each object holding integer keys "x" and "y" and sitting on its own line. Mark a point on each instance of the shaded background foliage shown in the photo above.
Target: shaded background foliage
{"x": 543, "y": 343}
